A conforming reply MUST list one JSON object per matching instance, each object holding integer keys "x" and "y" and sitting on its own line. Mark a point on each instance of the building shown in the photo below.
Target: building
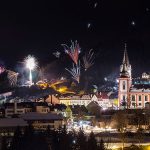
{"x": 76, "y": 100}
{"x": 25, "y": 107}
{"x": 42, "y": 120}
{"x": 65, "y": 100}
{"x": 5, "y": 96}
{"x": 9, "y": 125}
{"x": 52, "y": 99}
{"x": 133, "y": 93}
{"x": 103, "y": 100}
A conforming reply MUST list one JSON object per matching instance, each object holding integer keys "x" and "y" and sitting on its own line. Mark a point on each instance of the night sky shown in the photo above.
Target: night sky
{"x": 40, "y": 27}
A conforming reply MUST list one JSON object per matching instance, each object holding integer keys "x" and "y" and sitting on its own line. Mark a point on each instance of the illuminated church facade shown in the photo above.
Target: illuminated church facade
{"x": 132, "y": 93}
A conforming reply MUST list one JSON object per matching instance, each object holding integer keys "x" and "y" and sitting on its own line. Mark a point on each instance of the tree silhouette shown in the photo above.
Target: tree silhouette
{"x": 102, "y": 146}
{"x": 81, "y": 140}
{"x": 4, "y": 143}
{"x": 92, "y": 143}
{"x": 16, "y": 141}
{"x": 65, "y": 139}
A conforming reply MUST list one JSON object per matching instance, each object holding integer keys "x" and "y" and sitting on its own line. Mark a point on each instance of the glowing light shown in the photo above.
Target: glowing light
{"x": 114, "y": 147}
{"x": 31, "y": 64}
{"x": 57, "y": 54}
{"x": 133, "y": 23}
{"x": 81, "y": 123}
{"x": 105, "y": 79}
{"x": 62, "y": 89}
{"x": 74, "y": 141}
{"x": 88, "y": 25}
{"x": 95, "y": 5}
{"x": 147, "y": 9}
{"x": 117, "y": 80}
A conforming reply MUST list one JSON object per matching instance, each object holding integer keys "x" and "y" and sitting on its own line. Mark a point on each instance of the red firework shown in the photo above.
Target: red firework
{"x": 73, "y": 51}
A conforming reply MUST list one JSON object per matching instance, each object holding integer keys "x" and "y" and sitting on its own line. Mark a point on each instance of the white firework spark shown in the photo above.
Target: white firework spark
{"x": 95, "y": 5}
{"x": 75, "y": 72}
{"x": 88, "y": 25}
{"x": 88, "y": 59}
{"x": 31, "y": 64}
{"x": 57, "y": 54}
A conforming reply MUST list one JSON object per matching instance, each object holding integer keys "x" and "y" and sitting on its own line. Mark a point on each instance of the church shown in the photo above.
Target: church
{"x": 132, "y": 93}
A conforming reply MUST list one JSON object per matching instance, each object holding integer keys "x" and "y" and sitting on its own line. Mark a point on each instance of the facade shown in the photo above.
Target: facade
{"x": 133, "y": 93}
{"x": 65, "y": 100}
{"x": 75, "y": 100}
{"x": 102, "y": 98}
{"x": 13, "y": 108}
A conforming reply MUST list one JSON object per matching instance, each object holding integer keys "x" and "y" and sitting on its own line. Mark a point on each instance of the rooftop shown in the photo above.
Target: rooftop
{"x": 12, "y": 122}
{"x": 41, "y": 116}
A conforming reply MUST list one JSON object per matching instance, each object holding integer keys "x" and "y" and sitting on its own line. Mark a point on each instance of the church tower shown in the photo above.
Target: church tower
{"x": 125, "y": 82}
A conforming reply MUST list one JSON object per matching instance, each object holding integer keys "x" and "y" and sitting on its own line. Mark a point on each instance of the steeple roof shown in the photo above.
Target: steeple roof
{"x": 125, "y": 56}
{"x": 125, "y": 70}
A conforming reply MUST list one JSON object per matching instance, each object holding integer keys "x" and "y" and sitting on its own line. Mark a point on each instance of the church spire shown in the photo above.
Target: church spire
{"x": 125, "y": 56}
{"x": 125, "y": 68}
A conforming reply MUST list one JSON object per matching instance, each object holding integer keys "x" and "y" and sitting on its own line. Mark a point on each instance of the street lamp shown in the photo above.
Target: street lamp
{"x": 31, "y": 64}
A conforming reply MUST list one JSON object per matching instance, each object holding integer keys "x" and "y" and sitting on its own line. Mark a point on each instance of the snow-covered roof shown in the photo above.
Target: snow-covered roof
{"x": 140, "y": 90}
{"x": 6, "y": 94}
{"x": 75, "y": 97}
{"x": 144, "y": 88}
{"x": 103, "y": 95}
{"x": 64, "y": 98}
{"x": 12, "y": 122}
{"x": 86, "y": 97}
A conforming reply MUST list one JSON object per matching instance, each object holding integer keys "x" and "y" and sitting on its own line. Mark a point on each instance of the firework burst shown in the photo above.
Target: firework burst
{"x": 88, "y": 60}
{"x": 12, "y": 77}
{"x": 2, "y": 69}
{"x": 75, "y": 72}
{"x": 73, "y": 51}
{"x": 31, "y": 64}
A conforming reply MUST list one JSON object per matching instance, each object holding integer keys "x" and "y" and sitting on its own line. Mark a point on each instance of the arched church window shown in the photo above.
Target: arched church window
{"x": 146, "y": 97}
{"x": 124, "y": 85}
{"x": 124, "y": 98}
{"x": 140, "y": 98}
